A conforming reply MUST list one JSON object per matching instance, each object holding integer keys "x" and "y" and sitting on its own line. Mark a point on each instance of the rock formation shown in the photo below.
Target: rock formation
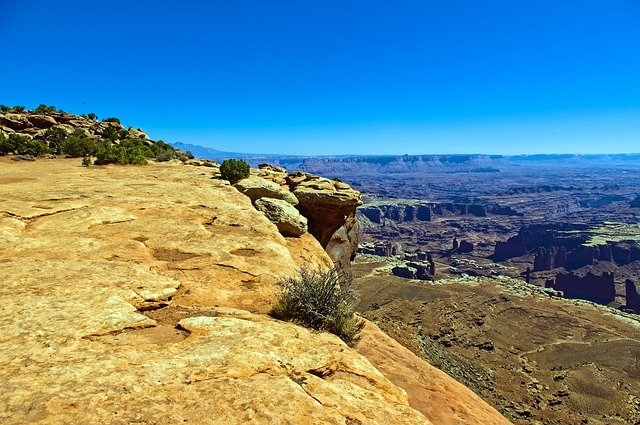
{"x": 417, "y": 211}
{"x": 548, "y": 259}
{"x": 85, "y": 252}
{"x": 599, "y": 289}
{"x": 632, "y": 296}
{"x": 281, "y": 213}
{"x": 34, "y": 125}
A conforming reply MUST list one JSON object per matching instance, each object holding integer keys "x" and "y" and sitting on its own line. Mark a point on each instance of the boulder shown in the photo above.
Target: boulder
{"x": 284, "y": 215}
{"x": 42, "y": 121}
{"x": 257, "y": 187}
{"x": 15, "y": 122}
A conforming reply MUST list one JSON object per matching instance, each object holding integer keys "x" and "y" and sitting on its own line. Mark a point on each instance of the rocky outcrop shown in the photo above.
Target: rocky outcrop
{"x": 131, "y": 294}
{"x": 548, "y": 259}
{"x": 330, "y": 208}
{"x": 256, "y": 187}
{"x": 287, "y": 219}
{"x": 632, "y": 296}
{"x": 34, "y": 125}
{"x": 599, "y": 289}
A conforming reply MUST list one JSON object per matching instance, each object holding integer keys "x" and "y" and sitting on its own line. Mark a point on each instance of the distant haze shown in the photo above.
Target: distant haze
{"x": 335, "y": 78}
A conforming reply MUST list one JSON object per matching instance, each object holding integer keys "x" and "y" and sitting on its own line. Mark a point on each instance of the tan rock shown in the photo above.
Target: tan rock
{"x": 287, "y": 219}
{"x": 42, "y": 121}
{"x": 257, "y": 187}
{"x": 83, "y": 250}
{"x": 16, "y": 122}
{"x": 331, "y": 215}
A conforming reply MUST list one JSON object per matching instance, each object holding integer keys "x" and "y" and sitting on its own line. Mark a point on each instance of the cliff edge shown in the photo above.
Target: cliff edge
{"x": 137, "y": 294}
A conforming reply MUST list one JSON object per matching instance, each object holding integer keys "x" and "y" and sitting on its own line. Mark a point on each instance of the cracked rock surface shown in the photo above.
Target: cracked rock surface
{"x": 84, "y": 251}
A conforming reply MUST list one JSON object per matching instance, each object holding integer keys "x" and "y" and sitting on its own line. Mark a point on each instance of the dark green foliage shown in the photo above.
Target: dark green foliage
{"x": 55, "y": 137}
{"x": 5, "y": 108}
{"x": 44, "y": 109}
{"x": 110, "y": 134}
{"x": 112, "y": 119}
{"x": 234, "y": 170}
{"x": 19, "y": 108}
{"x": 121, "y": 155}
{"x": 78, "y": 144}
{"x": 92, "y": 116}
{"x": 22, "y": 145}
{"x": 319, "y": 301}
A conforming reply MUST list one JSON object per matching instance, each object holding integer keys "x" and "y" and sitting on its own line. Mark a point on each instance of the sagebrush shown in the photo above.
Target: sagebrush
{"x": 321, "y": 301}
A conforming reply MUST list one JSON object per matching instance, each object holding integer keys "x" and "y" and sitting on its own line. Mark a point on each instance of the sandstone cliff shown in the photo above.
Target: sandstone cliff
{"x": 136, "y": 294}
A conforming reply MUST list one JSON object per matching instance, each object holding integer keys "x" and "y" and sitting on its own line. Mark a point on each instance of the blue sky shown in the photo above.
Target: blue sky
{"x": 338, "y": 77}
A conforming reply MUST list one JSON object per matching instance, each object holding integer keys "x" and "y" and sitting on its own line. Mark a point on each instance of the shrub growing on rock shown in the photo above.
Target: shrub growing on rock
{"x": 112, "y": 119}
{"x": 319, "y": 301}
{"x": 234, "y": 170}
{"x": 44, "y": 109}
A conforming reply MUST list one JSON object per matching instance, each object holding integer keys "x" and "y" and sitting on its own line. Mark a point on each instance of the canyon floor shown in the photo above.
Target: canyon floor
{"x": 537, "y": 359}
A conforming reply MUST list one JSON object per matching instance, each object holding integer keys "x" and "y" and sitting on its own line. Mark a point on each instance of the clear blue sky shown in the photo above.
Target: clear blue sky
{"x": 338, "y": 77}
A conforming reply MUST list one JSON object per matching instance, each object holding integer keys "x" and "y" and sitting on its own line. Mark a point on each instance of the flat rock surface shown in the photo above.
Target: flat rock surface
{"x": 85, "y": 251}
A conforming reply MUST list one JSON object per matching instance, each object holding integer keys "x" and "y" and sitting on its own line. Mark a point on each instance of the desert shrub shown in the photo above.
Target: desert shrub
{"x": 22, "y": 145}
{"x": 110, "y": 134}
{"x": 234, "y": 170}
{"x": 44, "y": 109}
{"x": 92, "y": 116}
{"x": 319, "y": 301}
{"x": 86, "y": 161}
{"x": 78, "y": 144}
{"x": 19, "y": 108}
{"x": 112, "y": 119}
{"x": 55, "y": 136}
{"x": 121, "y": 155}
{"x": 5, "y": 108}
{"x": 4, "y": 145}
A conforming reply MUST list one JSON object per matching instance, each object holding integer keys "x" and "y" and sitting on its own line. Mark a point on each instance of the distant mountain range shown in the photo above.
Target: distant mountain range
{"x": 381, "y": 164}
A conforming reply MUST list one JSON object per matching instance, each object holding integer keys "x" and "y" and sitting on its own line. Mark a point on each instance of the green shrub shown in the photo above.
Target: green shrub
{"x": 19, "y": 108}
{"x": 55, "y": 136}
{"x": 319, "y": 301}
{"x": 110, "y": 134}
{"x": 92, "y": 116}
{"x": 77, "y": 146}
{"x": 22, "y": 145}
{"x": 112, "y": 119}
{"x": 121, "y": 155}
{"x": 5, "y": 108}
{"x": 4, "y": 142}
{"x": 234, "y": 170}
{"x": 86, "y": 161}
{"x": 44, "y": 109}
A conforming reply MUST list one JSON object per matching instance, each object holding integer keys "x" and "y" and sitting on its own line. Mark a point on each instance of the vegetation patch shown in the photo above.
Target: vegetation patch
{"x": 234, "y": 170}
{"x": 319, "y": 301}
